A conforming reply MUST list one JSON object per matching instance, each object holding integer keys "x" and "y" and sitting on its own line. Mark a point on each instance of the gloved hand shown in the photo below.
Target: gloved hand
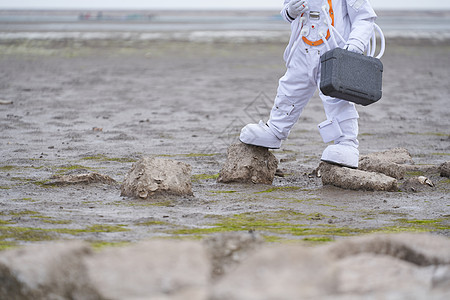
{"x": 353, "y": 48}
{"x": 296, "y": 8}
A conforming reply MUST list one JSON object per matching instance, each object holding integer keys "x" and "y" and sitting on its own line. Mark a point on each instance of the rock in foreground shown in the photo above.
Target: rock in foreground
{"x": 400, "y": 266}
{"x": 248, "y": 164}
{"x": 155, "y": 176}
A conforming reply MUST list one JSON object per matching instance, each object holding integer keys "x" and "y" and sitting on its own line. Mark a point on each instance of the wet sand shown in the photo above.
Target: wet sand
{"x": 100, "y": 105}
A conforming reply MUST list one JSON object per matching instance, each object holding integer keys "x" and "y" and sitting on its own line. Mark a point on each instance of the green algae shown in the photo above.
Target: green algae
{"x": 430, "y": 133}
{"x": 289, "y": 223}
{"x": 7, "y": 168}
{"x": 278, "y": 222}
{"x": 198, "y": 177}
{"x": 25, "y": 213}
{"x": 100, "y": 245}
{"x": 317, "y": 216}
{"x": 32, "y": 234}
{"x": 153, "y": 223}
{"x": 58, "y": 222}
{"x": 105, "y": 228}
{"x": 189, "y": 155}
{"x": 101, "y": 157}
{"x": 24, "y": 199}
{"x": 64, "y": 169}
{"x": 4, "y": 245}
{"x": 426, "y": 224}
{"x": 320, "y": 239}
{"x": 223, "y": 192}
{"x": 280, "y": 188}
{"x": 24, "y": 234}
{"x": 414, "y": 173}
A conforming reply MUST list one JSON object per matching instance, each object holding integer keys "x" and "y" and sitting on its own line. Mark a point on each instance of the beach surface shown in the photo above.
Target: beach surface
{"x": 72, "y": 106}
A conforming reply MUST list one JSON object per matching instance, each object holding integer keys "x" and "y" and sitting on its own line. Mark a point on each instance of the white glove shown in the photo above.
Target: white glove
{"x": 353, "y": 48}
{"x": 297, "y": 7}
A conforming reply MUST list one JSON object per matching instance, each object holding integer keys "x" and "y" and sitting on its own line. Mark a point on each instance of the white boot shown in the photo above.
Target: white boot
{"x": 283, "y": 116}
{"x": 259, "y": 135}
{"x": 345, "y": 151}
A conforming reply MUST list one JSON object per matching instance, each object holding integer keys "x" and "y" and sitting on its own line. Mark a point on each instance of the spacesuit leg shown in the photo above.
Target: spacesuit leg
{"x": 294, "y": 91}
{"x": 341, "y": 127}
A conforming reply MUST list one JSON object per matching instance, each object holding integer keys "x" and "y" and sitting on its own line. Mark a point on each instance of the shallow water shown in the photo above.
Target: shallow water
{"x": 394, "y": 23}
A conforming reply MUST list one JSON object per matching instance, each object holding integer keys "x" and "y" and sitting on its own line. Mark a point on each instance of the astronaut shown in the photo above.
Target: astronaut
{"x": 310, "y": 37}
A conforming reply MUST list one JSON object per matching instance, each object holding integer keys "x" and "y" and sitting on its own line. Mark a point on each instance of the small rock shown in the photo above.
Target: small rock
{"x": 156, "y": 176}
{"x": 416, "y": 184}
{"x": 444, "y": 169}
{"x": 279, "y": 173}
{"x": 424, "y": 180}
{"x": 248, "y": 164}
{"x": 352, "y": 179}
{"x": 5, "y": 102}
{"x": 80, "y": 179}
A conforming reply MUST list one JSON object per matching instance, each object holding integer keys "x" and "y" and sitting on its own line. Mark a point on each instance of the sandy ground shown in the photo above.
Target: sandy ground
{"x": 98, "y": 106}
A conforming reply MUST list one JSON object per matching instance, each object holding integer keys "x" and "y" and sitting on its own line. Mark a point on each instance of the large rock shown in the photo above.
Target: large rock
{"x": 151, "y": 270}
{"x": 248, "y": 164}
{"x": 352, "y": 179}
{"x": 155, "y": 176}
{"x": 50, "y": 271}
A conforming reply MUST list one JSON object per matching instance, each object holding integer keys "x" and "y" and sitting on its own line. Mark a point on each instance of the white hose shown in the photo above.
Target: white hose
{"x": 370, "y": 49}
{"x": 383, "y": 41}
{"x": 372, "y": 45}
{"x": 325, "y": 41}
{"x": 330, "y": 25}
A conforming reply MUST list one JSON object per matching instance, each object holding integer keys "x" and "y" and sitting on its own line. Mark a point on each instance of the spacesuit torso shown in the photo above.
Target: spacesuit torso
{"x": 343, "y": 14}
{"x": 314, "y": 22}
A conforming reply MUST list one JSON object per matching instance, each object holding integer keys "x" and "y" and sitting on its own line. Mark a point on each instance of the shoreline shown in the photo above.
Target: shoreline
{"x": 136, "y": 38}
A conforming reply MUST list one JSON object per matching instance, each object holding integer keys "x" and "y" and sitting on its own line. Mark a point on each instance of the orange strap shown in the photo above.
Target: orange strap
{"x": 320, "y": 42}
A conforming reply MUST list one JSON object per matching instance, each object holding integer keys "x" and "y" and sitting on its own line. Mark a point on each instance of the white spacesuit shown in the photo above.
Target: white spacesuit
{"x": 310, "y": 37}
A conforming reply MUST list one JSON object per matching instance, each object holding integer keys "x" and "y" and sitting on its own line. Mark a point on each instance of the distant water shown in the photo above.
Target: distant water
{"x": 194, "y": 26}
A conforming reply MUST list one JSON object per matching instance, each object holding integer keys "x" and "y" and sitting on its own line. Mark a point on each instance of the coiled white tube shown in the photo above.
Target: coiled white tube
{"x": 383, "y": 41}
{"x": 333, "y": 31}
